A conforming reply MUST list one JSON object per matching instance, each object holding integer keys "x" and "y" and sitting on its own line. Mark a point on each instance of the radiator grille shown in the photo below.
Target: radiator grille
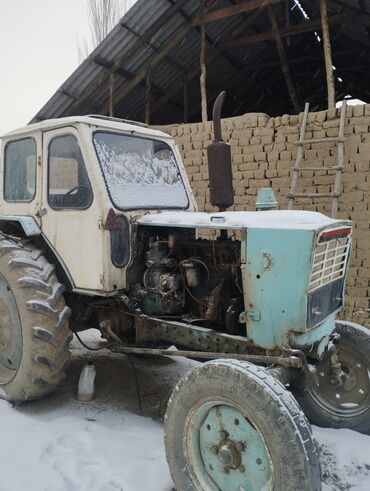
{"x": 330, "y": 261}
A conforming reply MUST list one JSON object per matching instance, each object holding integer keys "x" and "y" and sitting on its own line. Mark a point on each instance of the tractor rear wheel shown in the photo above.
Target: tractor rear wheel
{"x": 344, "y": 405}
{"x": 230, "y": 426}
{"x": 34, "y": 332}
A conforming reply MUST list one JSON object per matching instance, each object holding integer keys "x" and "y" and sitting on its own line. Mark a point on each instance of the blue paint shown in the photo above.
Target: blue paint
{"x": 266, "y": 199}
{"x": 276, "y": 276}
{"x": 319, "y": 332}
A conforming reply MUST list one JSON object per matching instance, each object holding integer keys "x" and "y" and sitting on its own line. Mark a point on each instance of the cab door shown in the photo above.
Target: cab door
{"x": 70, "y": 210}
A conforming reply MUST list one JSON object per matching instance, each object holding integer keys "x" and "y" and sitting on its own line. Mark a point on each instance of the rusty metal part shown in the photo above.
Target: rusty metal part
{"x": 283, "y": 374}
{"x": 287, "y": 361}
{"x": 150, "y": 328}
{"x": 229, "y": 454}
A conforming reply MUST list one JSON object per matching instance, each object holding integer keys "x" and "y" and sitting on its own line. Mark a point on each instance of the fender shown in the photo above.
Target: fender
{"x": 31, "y": 229}
{"x": 28, "y": 224}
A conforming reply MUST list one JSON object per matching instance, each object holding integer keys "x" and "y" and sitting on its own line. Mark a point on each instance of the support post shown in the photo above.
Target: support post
{"x": 203, "y": 91}
{"x": 327, "y": 54}
{"x": 148, "y": 87}
{"x": 283, "y": 60}
{"x": 111, "y": 92}
{"x": 186, "y": 105}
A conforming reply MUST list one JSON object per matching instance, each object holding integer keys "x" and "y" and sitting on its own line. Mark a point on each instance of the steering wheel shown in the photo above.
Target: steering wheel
{"x": 76, "y": 200}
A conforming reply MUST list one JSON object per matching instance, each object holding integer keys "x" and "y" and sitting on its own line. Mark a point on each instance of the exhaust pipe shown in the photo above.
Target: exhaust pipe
{"x": 219, "y": 163}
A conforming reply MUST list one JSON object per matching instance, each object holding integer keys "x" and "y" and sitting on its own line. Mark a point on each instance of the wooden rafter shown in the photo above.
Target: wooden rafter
{"x": 292, "y": 30}
{"x": 144, "y": 39}
{"x": 203, "y": 90}
{"x": 283, "y": 60}
{"x": 327, "y": 54}
{"x": 155, "y": 60}
{"x": 240, "y": 8}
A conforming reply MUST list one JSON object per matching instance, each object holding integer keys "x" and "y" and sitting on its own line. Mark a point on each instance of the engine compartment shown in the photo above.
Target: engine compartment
{"x": 175, "y": 275}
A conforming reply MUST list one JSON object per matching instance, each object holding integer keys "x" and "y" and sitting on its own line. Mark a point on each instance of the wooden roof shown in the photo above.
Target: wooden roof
{"x": 267, "y": 55}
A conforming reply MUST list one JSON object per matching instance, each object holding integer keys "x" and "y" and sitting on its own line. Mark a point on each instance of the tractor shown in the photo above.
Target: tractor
{"x": 99, "y": 228}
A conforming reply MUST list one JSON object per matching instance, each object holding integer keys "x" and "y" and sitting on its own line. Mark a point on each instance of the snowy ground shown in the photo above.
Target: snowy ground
{"x": 60, "y": 444}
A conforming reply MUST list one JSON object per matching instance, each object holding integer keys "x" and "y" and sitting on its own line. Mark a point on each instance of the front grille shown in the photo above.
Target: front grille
{"x": 330, "y": 260}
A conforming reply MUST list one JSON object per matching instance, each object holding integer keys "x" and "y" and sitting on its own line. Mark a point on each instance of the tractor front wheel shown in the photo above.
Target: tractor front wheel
{"x": 230, "y": 426}
{"x": 34, "y": 332}
{"x": 342, "y": 402}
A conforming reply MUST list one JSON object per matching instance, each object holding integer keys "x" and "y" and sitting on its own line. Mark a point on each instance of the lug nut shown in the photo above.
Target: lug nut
{"x": 224, "y": 434}
{"x": 214, "y": 449}
{"x": 226, "y": 470}
{"x": 242, "y": 468}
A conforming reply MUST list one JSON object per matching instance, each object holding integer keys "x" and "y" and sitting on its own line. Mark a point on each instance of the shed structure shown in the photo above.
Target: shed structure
{"x": 166, "y": 59}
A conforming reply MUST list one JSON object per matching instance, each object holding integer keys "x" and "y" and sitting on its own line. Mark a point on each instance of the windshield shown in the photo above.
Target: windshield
{"x": 140, "y": 173}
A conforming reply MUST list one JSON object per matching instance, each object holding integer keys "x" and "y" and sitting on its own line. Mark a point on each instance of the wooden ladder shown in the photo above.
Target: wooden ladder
{"x": 297, "y": 169}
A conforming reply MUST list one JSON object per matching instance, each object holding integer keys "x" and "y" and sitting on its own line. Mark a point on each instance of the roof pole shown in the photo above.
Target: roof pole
{"x": 283, "y": 61}
{"x": 148, "y": 87}
{"x": 186, "y": 105}
{"x": 203, "y": 91}
{"x": 111, "y": 92}
{"x": 327, "y": 54}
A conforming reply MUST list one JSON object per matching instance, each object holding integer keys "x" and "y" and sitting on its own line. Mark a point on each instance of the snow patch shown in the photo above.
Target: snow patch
{"x": 140, "y": 173}
{"x": 282, "y": 219}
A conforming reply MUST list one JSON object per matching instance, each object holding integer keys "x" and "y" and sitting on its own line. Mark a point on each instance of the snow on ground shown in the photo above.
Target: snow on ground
{"x": 60, "y": 444}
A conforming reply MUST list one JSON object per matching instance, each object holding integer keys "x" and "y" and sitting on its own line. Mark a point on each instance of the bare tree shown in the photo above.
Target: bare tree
{"x": 103, "y": 16}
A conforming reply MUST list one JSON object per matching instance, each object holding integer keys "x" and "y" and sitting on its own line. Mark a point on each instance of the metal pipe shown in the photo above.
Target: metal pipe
{"x": 285, "y": 361}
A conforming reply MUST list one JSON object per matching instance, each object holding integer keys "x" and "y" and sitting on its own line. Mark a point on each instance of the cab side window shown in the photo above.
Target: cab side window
{"x": 20, "y": 170}
{"x": 68, "y": 183}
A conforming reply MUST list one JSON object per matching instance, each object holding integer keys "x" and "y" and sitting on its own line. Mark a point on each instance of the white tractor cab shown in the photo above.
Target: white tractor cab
{"x": 99, "y": 228}
{"x": 74, "y": 175}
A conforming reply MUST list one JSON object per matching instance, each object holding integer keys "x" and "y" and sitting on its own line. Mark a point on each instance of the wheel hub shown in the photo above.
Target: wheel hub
{"x": 229, "y": 455}
{"x": 348, "y": 393}
{"x": 233, "y": 452}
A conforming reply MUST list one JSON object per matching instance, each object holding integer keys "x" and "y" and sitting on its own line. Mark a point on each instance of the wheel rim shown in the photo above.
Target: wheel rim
{"x": 353, "y": 397}
{"x": 10, "y": 333}
{"x": 225, "y": 451}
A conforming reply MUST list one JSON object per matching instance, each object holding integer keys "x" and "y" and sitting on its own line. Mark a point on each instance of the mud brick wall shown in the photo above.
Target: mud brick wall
{"x": 263, "y": 153}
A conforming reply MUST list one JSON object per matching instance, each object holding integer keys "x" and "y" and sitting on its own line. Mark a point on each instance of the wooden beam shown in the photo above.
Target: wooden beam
{"x": 240, "y": 8}
{"x": 155, "y": 60}
{"x": 212, "y": 54}
{"x": 284, "y": 61}
{"x": 327, "y": 54}
{"x": 144, "y": 39}
{"x": 111, "y": 92}
{"x": 147, "y": 97}
{"x": 186, "y": 104}
{"x": 292, "y": 30}
{"x": 203, "y": 90}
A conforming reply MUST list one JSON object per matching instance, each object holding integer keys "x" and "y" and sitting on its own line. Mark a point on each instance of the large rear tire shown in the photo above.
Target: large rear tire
{"x": 34, "y": 332}
{"x": 347, "y": 406}
{"x": 230, "y": 426}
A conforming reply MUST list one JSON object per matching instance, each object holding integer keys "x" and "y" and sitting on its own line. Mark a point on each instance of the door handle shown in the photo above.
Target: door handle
{"x": 41, "y": 212}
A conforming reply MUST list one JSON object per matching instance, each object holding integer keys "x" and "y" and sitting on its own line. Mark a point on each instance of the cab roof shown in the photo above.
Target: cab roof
{"x": 100, "y": 121}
